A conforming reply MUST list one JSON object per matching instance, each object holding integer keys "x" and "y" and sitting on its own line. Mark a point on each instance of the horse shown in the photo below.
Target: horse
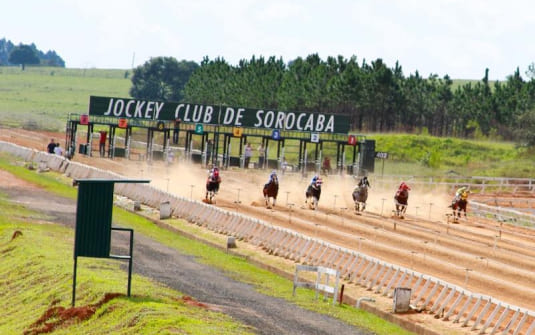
{"x": 312, "y": 195}
{"x": 271, "y": 189}
{"x": 212, "y": 187}
{"x": 360, "y": 195}
{"x": 458, "y": 205}
{"x": 401, "y": 198}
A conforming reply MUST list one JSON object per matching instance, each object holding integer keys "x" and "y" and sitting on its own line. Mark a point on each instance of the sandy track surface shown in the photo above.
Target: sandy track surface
{"x": 483, "y": 256}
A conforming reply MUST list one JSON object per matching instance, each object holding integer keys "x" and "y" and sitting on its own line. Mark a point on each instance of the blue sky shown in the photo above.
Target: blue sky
{"x": 456, "y": 37}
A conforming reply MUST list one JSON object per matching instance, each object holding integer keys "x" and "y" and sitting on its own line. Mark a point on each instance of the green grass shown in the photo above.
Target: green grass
{"x": 43, "y": 97}
{"x": 423, "y": 155}
{"x": 36, "y": 274}
{"x": 41, "y": 262}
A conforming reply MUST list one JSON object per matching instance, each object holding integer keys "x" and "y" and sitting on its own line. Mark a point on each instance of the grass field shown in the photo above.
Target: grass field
{"x": 43, "y": 97}
{"x": 36, "y": 273}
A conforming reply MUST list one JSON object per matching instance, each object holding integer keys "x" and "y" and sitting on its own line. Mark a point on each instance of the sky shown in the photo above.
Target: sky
{"x": 459, "y": 38}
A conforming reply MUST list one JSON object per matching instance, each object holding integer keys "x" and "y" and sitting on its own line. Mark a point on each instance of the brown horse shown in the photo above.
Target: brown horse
{"x": 458, "y": 205}
{"x": 401, "y": 199}
{"x": 271, "y": 190}
{"x": 360, "y": 195}
{"x": 312, "y": 195}
{"x": 212, "y": 187}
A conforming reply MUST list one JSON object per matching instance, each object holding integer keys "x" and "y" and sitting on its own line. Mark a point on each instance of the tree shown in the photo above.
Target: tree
{"x": 530, "y": 73}
{"x": 23, "y": 54}
{"x": 162, "y": 78}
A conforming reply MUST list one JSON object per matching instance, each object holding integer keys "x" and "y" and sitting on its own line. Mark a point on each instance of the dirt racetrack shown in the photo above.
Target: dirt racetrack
{"x": 483, "y": 256}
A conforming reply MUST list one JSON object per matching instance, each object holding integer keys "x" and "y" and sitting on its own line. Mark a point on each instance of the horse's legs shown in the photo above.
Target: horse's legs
{"x": 274, "y": 201}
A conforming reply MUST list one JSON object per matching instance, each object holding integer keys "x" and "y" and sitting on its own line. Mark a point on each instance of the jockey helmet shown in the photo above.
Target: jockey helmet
{"x": 404, "y": 186}
{"x": 216, "y": 172}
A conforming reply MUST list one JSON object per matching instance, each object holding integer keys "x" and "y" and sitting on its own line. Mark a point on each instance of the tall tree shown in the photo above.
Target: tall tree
{"x": 161, "y": 78}
{"x": 23, "y": 55}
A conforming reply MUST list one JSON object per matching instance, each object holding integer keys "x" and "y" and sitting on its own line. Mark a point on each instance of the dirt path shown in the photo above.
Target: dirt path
{"x": 266, "y": 315}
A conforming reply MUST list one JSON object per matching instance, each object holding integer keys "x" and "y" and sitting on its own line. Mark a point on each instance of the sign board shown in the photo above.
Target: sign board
{"x": 218, "y": 115}
{"x": 382, "y": 155}
{"x": 352, "y": 140}
{"x": 123, "y": 123}
{"x": 199, "y": 129}
{"x": 237, "y": 131}
{"x": 314, "y": 137}
{"x": 84, "y": 119}
{"x": 276, "y": 134}
{"x": 160, "y": 125}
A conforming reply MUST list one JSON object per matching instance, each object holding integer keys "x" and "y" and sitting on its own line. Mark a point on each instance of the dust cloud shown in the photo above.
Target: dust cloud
{"x": 188, "y": 180}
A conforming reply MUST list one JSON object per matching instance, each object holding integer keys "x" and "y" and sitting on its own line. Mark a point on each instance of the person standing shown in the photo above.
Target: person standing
{"x": 261, "y": 156}
{"x": 51, "y": 146}
{"x": 284, "y": 165}
{"x": 247, "y": 155}
{"x": 102, "y": 142}
{"x": 58, "y": 150}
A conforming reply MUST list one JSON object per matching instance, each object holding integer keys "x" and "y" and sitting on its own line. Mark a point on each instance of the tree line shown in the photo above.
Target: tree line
{"x": 27, "y": 54}
{"x": 375, "y": 97}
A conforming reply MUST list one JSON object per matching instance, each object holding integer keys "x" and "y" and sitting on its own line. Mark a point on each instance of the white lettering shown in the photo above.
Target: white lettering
{"x": 268, "y": 119}
{"x": 127, "y": 110}
{"x": 149, "y": 110}
{"x": 299, "y": 126}
{"x": 258, "y": 118}
{"x": 118, "y": 109}
{"x": 208, "y": 114}
{"x": 279, "y": 122}
{"x": 177, "y": 110}
{"x": 139, "y": 106}
{"x": 229, "y": 115}
{"x": 330, "y": 124}
{"x": 310, "y": 123}
{"x": 197, "y": 113}
{"x": 109, "y": 107}
{"x": 290, "y": 121}
{"x": 186, "y": 114}
{"x": 159, "y": 107}
{"x": 319, "y": 122}
{"x": 239, "y": 116}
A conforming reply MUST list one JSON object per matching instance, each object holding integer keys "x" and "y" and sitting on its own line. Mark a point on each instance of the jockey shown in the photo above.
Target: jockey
{"x": 272, "y": 176}
{"x": 314, "y": 180}
{"x": 460, "y": 192}
{"x": 317, "y": 182}
{"x": 364, "y": 181}
{"x": 214, "y": 177}
{"x": 402, "y": 187}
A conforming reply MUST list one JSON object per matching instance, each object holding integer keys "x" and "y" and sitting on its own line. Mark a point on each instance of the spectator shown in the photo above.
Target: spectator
{"x": 51, "y": 146}
{"x": 58, "y": 150}
{"x": 209, "y": 149}
{"x": 102, "y": 143}
{"x": 326, "y": 168}
{"x": 284, "y": 165}
{"x": 261, "y": 156}
{"x": 247, "y": 155}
